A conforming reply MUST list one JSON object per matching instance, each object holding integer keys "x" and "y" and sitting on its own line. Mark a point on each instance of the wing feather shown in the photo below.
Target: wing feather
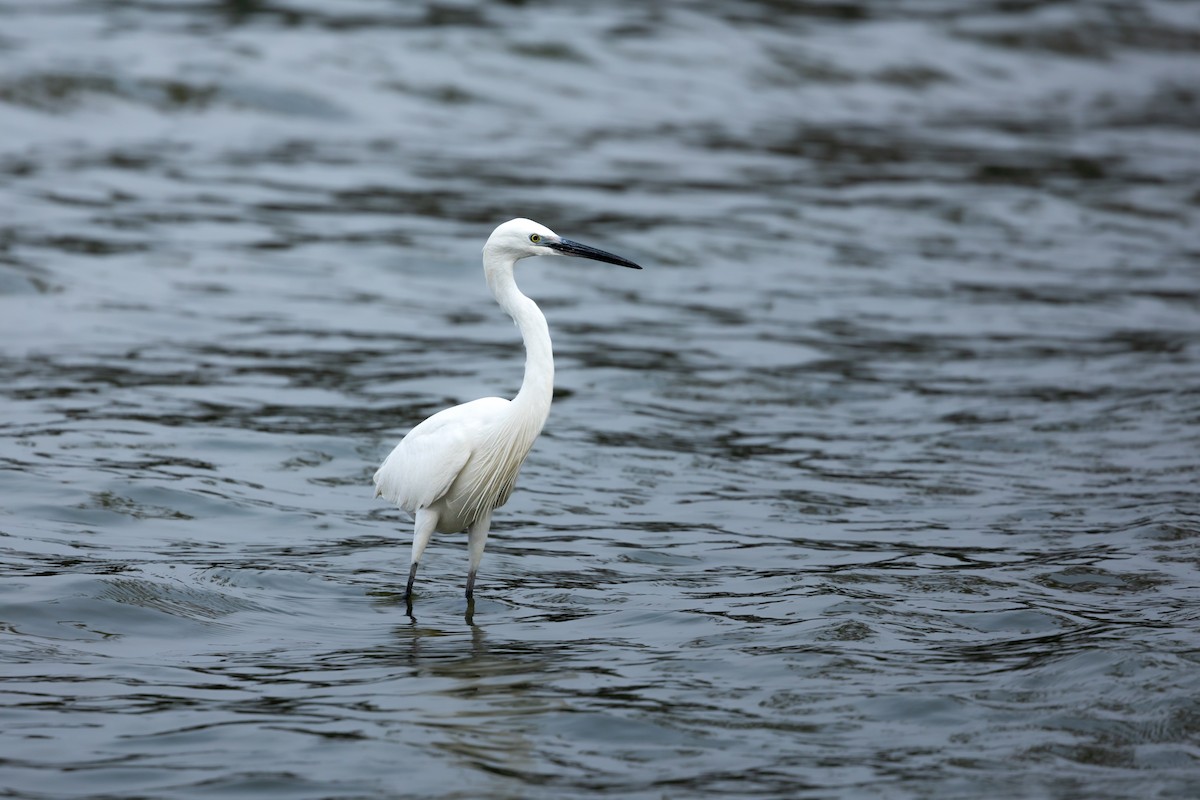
{"x": 423, "y": 467}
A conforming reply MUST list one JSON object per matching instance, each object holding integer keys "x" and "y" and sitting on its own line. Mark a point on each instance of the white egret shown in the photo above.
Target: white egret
{"x": 452, "y": 470}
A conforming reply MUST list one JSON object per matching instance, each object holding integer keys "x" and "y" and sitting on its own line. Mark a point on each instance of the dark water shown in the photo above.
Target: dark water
{"x": 880, "y": 481}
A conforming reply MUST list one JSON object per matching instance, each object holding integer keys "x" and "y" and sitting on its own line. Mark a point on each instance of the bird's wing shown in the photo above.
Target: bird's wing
{"x": 422, "y": 468}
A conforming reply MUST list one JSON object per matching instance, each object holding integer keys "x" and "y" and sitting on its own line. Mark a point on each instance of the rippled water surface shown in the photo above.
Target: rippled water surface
{"x": 880, "y": 480}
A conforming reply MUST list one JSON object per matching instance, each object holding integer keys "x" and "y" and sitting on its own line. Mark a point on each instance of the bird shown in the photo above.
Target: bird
{"x": 453, "y": 470}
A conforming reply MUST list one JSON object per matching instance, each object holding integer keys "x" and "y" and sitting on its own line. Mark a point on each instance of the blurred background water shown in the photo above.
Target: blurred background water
{"x": 879, "y": 481}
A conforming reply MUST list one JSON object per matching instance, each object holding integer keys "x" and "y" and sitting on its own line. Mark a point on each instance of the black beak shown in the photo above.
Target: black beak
{"x": 569, "y": 248}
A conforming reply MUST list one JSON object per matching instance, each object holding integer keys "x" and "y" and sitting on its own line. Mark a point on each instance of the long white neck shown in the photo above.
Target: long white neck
{"x": 537, "y": 388}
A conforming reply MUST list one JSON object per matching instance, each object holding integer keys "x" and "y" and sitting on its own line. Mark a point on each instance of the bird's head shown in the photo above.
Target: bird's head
{"x": 521, "y": 238}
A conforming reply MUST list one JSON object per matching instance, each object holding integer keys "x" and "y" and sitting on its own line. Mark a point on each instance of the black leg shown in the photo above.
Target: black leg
{"x": 471, "y": 585}
{"x": 412, "y": 576}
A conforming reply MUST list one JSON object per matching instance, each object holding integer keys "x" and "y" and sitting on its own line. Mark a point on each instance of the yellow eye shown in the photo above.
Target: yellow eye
{"x": 535, "y": 238}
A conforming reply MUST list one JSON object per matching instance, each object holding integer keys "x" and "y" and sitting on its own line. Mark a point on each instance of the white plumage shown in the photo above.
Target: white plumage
{"x": 429, "y": 462}
{"x": 451, "y": 471}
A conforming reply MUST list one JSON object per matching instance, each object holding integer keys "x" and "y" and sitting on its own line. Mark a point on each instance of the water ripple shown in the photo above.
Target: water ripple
{"x": 877, "y": 481}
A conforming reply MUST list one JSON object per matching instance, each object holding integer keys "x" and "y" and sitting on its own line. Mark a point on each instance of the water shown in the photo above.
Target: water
{"x": 879, "y": 481}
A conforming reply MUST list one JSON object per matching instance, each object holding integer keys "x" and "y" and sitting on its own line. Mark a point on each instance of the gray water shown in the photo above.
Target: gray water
{"x": 879, "y": 481}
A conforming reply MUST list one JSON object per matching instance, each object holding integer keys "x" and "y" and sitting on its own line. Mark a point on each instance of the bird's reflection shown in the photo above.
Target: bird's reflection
{"x": 410, "y": 609}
